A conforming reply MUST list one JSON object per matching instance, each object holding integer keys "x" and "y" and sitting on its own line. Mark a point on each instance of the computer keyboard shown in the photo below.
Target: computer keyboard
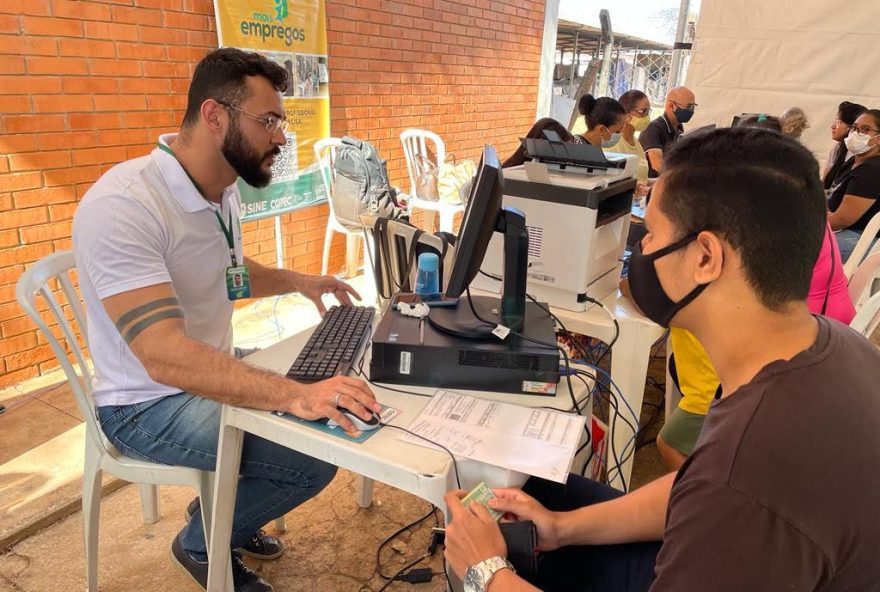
{"x": 334, "y": 344}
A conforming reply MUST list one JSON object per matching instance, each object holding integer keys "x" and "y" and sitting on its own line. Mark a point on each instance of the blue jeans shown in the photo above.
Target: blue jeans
{"x": 183, "y": 430}
{"x": 596, "y": 568}
{"x": 846, "y": 242}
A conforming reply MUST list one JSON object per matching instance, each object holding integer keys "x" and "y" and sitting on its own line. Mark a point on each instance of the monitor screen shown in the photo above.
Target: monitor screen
{"x": 478, "y": 223}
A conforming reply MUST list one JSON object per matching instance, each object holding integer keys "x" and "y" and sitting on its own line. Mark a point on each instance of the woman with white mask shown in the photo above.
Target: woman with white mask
{"x": 855, "y": 196}
{"x": 638, "y": 115}
{"x": 604, "y": 118}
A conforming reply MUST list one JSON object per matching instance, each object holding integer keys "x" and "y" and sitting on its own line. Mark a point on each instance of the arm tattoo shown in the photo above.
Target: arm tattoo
{"x": 135, "y": 321}
{"x": 134, "y": 313}
{"x": 138, "y": 327}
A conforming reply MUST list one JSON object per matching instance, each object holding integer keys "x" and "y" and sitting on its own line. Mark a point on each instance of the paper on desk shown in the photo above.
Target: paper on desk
{"x": 534, "y": 441}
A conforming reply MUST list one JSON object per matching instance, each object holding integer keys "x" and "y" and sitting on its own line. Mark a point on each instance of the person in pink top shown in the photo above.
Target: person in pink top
{"x": 829, "y": 295}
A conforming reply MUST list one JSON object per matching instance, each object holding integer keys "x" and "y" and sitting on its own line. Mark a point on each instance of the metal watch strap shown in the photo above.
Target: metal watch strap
{"x": 478, "y": 576}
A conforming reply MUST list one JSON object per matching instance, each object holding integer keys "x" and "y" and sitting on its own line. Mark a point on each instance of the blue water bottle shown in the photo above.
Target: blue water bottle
{"x": 427, "y": 281}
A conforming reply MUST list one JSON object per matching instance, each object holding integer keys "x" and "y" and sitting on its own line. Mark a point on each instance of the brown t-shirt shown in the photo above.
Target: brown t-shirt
{"x": 783, "y": 489}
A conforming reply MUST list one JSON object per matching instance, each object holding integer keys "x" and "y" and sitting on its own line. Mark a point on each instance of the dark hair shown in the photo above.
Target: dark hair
{"x": 537, "y": 132}
{"x": 847, "y": 113}
{"x": 758, "y": 190}
{"x": 874, "y": 113}
{"x": 602, "y": 111}
{"x": 629, "y": 99}
{"x": 222, "y": 76}
{"x": 762, "y": 121}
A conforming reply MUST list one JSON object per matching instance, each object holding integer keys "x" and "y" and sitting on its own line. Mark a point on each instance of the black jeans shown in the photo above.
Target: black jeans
{"x": 599, "y": 568}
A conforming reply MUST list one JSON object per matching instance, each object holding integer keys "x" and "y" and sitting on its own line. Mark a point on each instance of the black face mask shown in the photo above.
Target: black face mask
{"x": 647, "y": 292}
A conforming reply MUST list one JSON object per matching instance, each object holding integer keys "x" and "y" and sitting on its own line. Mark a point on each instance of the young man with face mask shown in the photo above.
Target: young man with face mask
{"x": 158, "y": 245}
{"x": 782, "y": 489}
{"x": 664, "y": 131}
{"x": 855, "y": 193}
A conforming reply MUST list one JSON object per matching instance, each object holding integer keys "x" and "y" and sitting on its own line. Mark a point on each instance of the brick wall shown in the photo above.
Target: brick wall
{"x": 85, "y": 85}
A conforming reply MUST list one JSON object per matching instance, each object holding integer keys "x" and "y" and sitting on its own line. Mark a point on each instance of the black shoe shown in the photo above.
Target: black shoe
{"x": 244, "y": 579}
{"x": 261, "y": 546}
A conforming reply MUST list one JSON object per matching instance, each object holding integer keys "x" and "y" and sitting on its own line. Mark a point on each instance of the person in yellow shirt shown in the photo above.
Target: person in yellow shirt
{"x": 698, "y": 383}
{"x": 638, "y": 109}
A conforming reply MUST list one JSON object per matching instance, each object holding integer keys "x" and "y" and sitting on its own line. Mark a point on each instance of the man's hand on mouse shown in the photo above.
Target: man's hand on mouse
{"x": 321, "y": 398}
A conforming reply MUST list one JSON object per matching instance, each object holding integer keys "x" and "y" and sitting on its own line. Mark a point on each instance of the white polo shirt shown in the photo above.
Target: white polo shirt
{"x": 144, "y": 223}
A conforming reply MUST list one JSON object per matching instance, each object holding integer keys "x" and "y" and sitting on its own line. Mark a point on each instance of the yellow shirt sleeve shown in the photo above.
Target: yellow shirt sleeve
{"x": 624, "y": 147}
{"x": 579, "y": 127}
{"x": 696, "y": 375}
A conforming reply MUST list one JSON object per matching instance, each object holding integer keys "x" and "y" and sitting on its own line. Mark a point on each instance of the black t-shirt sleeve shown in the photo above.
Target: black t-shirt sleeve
{"x": 718, "y": 539}
{"x": 651, "y": 137}
{"x": 865, "y": 182}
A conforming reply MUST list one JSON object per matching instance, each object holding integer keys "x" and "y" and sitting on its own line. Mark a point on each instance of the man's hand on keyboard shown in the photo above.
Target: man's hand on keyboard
{"x": 315, "y": 286}
{"x": 319, "y": 400}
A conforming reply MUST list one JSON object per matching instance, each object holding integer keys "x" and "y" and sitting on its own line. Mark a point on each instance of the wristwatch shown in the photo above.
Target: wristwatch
{"x": 477, "y": 577}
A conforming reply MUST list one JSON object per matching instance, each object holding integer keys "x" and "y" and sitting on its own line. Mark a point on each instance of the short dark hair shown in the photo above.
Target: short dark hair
{"x": 760, "y": 191}
{"x": 848, "y": 112}
{"x": 602, "y": 111}
{"x": 762, "y": 121}
{"x": 222, "y": 76}
{"x": 875, "y": 115}
{"x": 629, "y": 99}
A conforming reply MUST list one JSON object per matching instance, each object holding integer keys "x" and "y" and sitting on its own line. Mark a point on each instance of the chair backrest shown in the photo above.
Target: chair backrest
{"x": 325, "y": 154}
{"x": 867, "y": 318}
{"x": 869, "y": 235}
{"x": 865, "y": 282}
{"x": 37, "y": 281}
{"x": 415, "y": 143}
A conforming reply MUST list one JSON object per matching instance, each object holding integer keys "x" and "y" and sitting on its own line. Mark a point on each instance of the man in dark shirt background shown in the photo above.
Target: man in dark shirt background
{"x": 782, "y": 490}
{"x": 664, "y": 131}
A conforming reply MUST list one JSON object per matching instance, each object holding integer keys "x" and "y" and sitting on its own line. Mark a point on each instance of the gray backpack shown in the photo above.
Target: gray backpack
{"x": 361, "y": 184}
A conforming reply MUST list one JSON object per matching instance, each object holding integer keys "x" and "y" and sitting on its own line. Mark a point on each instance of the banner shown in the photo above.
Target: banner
{"x": 293, "y": 34}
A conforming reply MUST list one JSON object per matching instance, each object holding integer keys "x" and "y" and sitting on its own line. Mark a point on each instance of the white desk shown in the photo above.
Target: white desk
{"x": 420, "y": 471}
{"x": 629, "y": 360}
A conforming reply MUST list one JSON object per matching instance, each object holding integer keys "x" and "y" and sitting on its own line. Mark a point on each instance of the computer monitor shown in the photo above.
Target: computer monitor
{"x": 483, "y": 216}
{"x": 477, "y": 224}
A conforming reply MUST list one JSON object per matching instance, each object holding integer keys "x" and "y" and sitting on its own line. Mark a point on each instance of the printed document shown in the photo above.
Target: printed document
{"x": 540, "y": 442}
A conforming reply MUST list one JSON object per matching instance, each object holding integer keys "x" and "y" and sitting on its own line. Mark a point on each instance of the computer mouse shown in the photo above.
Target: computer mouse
{"x": 361, "y": 424}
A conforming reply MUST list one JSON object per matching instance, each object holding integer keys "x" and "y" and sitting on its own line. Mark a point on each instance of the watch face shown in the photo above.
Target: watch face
{"x": 472, "y": 580}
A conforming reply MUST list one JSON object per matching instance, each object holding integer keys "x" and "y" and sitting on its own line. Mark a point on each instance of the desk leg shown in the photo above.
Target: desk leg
{"x": 364, "y": 491}
{"x": 629, "y": 369}
{"x": 225, "y": 487}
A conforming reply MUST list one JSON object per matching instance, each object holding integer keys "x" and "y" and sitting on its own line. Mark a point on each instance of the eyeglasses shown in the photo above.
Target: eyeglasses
{"x": 864, "y": 129}
{"x": 688, "y": 106}
{"x": 641, "y": 112}
{"x": 272, "y": 123}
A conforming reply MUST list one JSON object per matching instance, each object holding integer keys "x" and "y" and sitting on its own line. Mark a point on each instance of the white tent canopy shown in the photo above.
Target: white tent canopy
{"x": 764, "y": 57}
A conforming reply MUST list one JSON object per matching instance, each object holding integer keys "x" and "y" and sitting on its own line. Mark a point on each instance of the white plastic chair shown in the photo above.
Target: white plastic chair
{"x": 415, "y": 144}
{"x": 865, "y": 282}
{"x": 867, "y": 318}
{"x": 100, "y": 454}
{"x": 869, "y": 235}
{"x": 325, "y": 153}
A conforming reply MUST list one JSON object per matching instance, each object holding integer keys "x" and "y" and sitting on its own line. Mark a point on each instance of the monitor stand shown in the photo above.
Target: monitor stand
{"x": 460, "y": 320}
{"x": 510, "y": 310}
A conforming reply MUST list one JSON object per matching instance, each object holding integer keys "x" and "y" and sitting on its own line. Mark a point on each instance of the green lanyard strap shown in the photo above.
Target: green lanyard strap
{"x": 227, "y": 230}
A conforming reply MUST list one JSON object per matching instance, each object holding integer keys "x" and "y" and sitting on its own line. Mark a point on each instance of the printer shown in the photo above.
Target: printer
{"x": 577, "y": 202}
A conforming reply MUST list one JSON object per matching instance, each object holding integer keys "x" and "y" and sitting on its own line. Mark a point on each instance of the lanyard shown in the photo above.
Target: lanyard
{"x": 227, "y": 230}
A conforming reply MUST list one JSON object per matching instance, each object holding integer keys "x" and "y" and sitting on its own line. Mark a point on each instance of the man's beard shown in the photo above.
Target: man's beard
{"x": 244, "y": 159}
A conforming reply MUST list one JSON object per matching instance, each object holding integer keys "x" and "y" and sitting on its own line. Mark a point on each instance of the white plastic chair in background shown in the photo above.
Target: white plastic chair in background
{"x": 325, "y": 153}
{"x": 867, "y": 318}
{"x": 415, "y": 146}
{"x": 865, "y": 282}
{"x": 862, "y": 248}
{"x": 100, "y": 454}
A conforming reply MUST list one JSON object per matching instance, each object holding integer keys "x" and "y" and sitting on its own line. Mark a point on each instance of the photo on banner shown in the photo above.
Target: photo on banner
{"x": 294, "y": 36}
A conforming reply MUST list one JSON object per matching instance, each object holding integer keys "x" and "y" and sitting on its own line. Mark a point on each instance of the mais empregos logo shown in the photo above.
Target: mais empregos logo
{"x": 264, "y": 25}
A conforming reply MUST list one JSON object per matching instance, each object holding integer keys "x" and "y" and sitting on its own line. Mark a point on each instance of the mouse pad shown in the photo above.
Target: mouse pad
{"x": 387, "y": 414}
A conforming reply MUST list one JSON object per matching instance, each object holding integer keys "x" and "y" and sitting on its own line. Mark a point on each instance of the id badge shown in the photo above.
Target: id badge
{"x": 238, "y": 283}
